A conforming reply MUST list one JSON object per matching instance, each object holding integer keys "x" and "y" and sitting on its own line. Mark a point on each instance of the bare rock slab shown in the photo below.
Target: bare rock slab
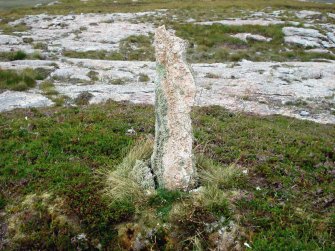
{"x": 172, "y": 159}
{"x": 10, "y": 100}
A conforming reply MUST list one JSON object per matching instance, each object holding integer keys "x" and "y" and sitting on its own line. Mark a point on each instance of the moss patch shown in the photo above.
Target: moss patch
{"x": 19, "y": 80}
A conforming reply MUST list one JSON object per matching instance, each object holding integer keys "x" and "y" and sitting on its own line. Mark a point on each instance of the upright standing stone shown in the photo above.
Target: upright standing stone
{"x": 172, "y": 158}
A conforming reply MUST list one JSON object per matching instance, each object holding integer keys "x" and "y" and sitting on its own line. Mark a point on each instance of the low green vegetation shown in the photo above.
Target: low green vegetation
{"x": 143, "y": 78}
{"x": 214, "y": 44}
{"x": 12, "y": 56}
{"x": 19, "y": 55}
{"x": 137, "y": 48}
{"x": 102, "y": 55}
{"x": 270, "y": 176}
{"x": 83, "y": 98}
{"x": 118, "y": 81}
{"x": 48, "y": 88}
{"x": 20, "y": 80}
{"x": 203, "y": 8}
{"x": 10, "y": 29}
{"x": 40, "y": 46}
{"x": 93, "y": 75}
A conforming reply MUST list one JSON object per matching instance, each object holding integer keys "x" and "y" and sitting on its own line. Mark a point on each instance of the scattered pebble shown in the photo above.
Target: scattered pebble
{"x": 304, "y": 113}
{"x": 247, "y": 245}
{"x": 130, "y": 132}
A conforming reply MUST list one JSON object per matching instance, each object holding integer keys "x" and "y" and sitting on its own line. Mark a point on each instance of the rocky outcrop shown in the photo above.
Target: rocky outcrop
{"x": 10, "y": 100}
{"x": 307, "y": 37}
{"x": 172, "y": 159}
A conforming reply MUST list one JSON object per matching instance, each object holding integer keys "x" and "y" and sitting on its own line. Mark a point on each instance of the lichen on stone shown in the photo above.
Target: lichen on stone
{"x": 172, "y": 159}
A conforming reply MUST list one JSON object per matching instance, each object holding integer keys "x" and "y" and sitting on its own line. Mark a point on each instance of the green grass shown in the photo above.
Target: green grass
{"x": 40, "y": 46}
{"x": 83, "y": 98}
{"x": 10, "y": 29}
{"x": 213, "y": 44}
{"x": 102, "y": 55}
{"x": 48, "y": 88}
{"x": 93, "y": 75}
{"x": 19, "y": 55}
{"x": 202, "y": 7}
{"x": 58, "y": 150}
{"x": 12, "y": 56}
{"x": 143, "y": 78}
{"x": 20, "y": 80}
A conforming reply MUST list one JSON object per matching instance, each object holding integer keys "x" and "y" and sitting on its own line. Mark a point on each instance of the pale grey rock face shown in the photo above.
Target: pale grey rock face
{"x": 172, "y": 159}
{"x": 10, "y": 40}
{"x": 238, "y": 22}
{"x": 305, "y": 41}
{"x": 10, "y": 100}
{"x": 86, "y": 32}
{"x": 307, "y": 37}
{"x": 295, "y": 31}
{"x": 307, "y": 13}
{"x": 318, "y": 50}
{"x": 71, "y": 74}
{"x": 248, "y": 36}
{"x": 331, "y": 36}
{"x": 268, "y": 86}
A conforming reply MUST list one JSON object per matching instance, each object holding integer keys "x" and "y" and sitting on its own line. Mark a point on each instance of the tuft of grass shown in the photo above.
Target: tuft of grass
{"x": 11, "y": 29}
{"x": 211, "y": 75}
{"x": 20, "y": 55}
{"x": 215, "y": 201}
{"x": 119, "y": 183}
{"x": 222, "y": 177}
{"x": 27, "y": 40}
{"x": 93, "y": 75}
{"x": 12, "y": 56}
{"x": 40, "y": 46}
{"x": 143, "y": 78}
{"x": 118, "y": 81}
{"x": 102, "y": 55}
{"x": 83, "y": 98}
{"x": 48, "y": 88}
{"x": 60, "y": 100}
{"x": 163, "y": 200}
{"x": 19, "y": 80}
{"x": 137, "y": 48}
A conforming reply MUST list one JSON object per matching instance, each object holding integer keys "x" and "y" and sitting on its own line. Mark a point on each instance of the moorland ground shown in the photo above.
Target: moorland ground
{"x": 267, "y": 181}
